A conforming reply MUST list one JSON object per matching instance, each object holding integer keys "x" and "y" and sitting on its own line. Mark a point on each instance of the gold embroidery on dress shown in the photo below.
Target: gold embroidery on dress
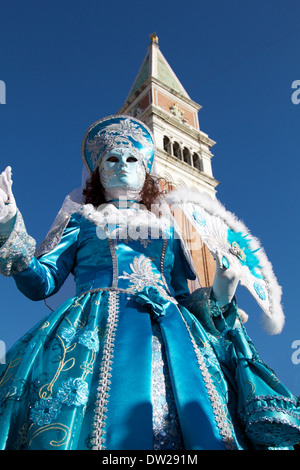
{"x": 57, "y": 427}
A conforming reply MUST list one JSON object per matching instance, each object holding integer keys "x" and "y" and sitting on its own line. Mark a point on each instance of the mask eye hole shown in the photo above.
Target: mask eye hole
{"x": 113, "y": 158}
{"x": 131, "y": 159}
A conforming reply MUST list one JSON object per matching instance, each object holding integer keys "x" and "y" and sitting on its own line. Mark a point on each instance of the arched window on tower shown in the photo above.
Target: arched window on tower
{"x": 167, "y": 144}
{"x": 177, "y": 150}
{"x": 197, "y": 163}
{"x": 186, "y": 156}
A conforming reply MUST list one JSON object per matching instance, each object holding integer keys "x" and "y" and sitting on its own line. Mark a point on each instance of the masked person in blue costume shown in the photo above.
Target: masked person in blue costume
{"x": 133, "y": 360}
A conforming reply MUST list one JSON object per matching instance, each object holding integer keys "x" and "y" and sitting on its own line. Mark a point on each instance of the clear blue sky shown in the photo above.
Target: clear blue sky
{"x": 68, "y": 63}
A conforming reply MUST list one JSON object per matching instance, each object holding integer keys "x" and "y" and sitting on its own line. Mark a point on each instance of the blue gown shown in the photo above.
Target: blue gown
{"x": 125, "y": 364}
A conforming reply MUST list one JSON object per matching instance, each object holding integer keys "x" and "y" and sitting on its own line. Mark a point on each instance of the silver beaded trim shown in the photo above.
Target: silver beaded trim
{"x": 162, "y": 264}
{"x": 106, "y": 289}
{"x": 98, "y": 435}
{"x": 223, "y": 424}
{"x": 111, "y": 243}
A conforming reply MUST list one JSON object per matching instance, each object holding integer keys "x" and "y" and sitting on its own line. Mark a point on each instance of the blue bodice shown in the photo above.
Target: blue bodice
{"x": 98, "y": 261}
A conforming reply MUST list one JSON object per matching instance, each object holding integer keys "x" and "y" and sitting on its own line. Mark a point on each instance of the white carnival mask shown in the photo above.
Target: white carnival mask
{"x": 120, "y": 168}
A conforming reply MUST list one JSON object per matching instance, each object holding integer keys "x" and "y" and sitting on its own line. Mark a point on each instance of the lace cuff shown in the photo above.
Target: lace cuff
{"x": 215, "y": 319}
{"x": 18, "y": 250}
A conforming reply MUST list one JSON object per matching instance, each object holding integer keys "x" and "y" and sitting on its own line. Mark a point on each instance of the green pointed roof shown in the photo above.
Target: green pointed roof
{"x": 141, "y": 76}
{"x": 155, "y": 65}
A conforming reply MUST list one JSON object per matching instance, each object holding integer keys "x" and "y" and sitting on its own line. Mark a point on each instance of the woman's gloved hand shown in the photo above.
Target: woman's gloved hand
{"x": 8, "y": 206}
{"x": 225, "y": 283}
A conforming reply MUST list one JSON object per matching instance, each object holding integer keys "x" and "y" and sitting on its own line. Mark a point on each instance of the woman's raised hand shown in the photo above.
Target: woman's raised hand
{"x": 8, "y": 206}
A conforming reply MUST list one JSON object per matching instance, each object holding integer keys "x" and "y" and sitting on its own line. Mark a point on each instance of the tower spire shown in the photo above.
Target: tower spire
{"x": 183, "y": 155}
{"x": 158, "y": 98}
{"x": 153, "y": 38}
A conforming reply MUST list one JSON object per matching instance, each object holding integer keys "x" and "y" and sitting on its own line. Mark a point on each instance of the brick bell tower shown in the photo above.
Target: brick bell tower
{"x": 183, "y": 155}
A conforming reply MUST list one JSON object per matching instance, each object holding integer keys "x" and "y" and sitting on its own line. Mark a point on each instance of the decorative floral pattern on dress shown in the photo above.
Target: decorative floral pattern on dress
{"x": 142, "y": 276}
{"x": 90, "y": 340}
{"x": 45, "y": 411}
{"x": 87, "y": 338}
{"x": 68, "y": 334}
{"x": 73, "y": 392}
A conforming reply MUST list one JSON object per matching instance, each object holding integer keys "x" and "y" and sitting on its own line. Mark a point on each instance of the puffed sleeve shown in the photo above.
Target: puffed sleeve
{"x": 43, "y": 277}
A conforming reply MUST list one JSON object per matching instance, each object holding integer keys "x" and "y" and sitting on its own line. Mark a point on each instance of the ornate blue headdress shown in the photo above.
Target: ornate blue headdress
{"x": 113, "y": 132}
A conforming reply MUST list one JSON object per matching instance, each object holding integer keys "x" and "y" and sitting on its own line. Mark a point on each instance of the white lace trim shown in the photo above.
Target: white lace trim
{"x": 18, "y": 250}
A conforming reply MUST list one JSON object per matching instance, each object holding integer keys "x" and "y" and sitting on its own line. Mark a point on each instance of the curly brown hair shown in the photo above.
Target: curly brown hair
{"x": 153, "y": 189}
